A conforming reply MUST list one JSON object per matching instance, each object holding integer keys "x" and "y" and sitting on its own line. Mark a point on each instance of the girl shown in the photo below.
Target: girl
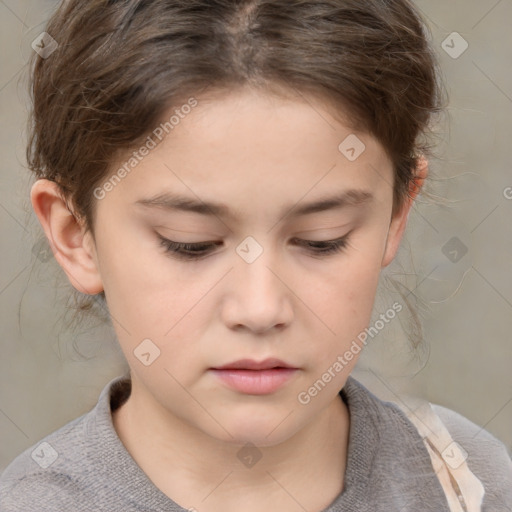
{"x": 230, "y": 177}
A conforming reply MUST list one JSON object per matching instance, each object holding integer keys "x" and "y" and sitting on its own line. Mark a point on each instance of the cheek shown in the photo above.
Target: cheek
{"x": 342, "y": 299}
{"x": 147, "y": 292}
{"x": 345, "y": 304}
{"x": 157, "y": 303}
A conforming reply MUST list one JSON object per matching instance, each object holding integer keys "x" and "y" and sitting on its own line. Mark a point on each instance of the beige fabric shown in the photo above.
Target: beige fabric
{"x": 464, "y": 491}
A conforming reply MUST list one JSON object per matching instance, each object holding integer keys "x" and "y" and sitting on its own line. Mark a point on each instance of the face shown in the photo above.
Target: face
{"x": 262, "y": 276}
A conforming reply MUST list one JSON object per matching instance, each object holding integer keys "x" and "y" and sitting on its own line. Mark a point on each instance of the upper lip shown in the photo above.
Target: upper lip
{"x": 250, "y": 364}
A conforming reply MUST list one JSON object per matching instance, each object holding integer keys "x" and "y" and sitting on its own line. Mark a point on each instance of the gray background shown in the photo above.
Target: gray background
{"x": 465, "y": 302}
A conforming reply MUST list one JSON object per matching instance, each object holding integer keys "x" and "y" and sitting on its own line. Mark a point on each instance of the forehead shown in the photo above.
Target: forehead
{"x": 245, "y": 146}
{"x": 246, "y": 126}
{"x": 262, "y": 115}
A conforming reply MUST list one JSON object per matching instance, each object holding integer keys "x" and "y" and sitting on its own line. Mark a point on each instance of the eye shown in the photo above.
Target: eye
{"x": 187, "y": 251}
{"x": 196, "y": 251}
{"x": 325, "y": 247}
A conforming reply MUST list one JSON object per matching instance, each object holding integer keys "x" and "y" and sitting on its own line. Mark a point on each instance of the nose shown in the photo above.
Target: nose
{"x": 258, "y": 297}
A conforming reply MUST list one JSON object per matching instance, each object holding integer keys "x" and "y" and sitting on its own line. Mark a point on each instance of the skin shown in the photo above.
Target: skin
{"x": 257, "y": 154}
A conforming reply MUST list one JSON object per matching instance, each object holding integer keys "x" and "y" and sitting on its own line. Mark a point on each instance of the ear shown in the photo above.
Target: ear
{"x": 399, "y": 221}
{"x": 72, "y": 247}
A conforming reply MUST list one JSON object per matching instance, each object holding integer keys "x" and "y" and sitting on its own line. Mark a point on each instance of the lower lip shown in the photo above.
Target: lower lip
{"x": 256, "y": 382}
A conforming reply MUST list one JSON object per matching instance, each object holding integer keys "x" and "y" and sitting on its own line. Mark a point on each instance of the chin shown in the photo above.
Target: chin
{"x": 257, "y": 428}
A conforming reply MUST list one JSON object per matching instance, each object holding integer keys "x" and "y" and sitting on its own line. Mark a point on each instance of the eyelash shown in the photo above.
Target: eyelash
{"x": 189, "y": 251}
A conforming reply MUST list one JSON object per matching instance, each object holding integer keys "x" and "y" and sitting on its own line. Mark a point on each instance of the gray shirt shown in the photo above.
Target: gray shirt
{"x": 83, "y": 466}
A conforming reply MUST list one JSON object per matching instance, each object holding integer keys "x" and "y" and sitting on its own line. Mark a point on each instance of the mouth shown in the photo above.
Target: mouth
{"x": 250, "y": 364}
{"x": 255, "y": 378}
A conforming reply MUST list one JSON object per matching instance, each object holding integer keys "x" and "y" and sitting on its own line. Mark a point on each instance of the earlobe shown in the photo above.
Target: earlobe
{"x": 67, "y": 237}
{"x": 399, "y": 222}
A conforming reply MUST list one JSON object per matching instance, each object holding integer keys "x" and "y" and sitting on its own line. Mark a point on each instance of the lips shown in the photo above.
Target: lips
{"x": 255, "y": 377}
{"x": 250, "y": 364}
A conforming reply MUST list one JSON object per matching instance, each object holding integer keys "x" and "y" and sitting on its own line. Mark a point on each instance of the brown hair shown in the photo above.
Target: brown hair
{"x": 120, "y": 64}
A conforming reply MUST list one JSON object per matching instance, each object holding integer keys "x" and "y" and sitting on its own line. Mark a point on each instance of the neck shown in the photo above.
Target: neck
{"x": 186, "y": 464}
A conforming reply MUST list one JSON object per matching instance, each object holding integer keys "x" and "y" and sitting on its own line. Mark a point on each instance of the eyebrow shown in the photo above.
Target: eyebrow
{"x": 176, "y": 202}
